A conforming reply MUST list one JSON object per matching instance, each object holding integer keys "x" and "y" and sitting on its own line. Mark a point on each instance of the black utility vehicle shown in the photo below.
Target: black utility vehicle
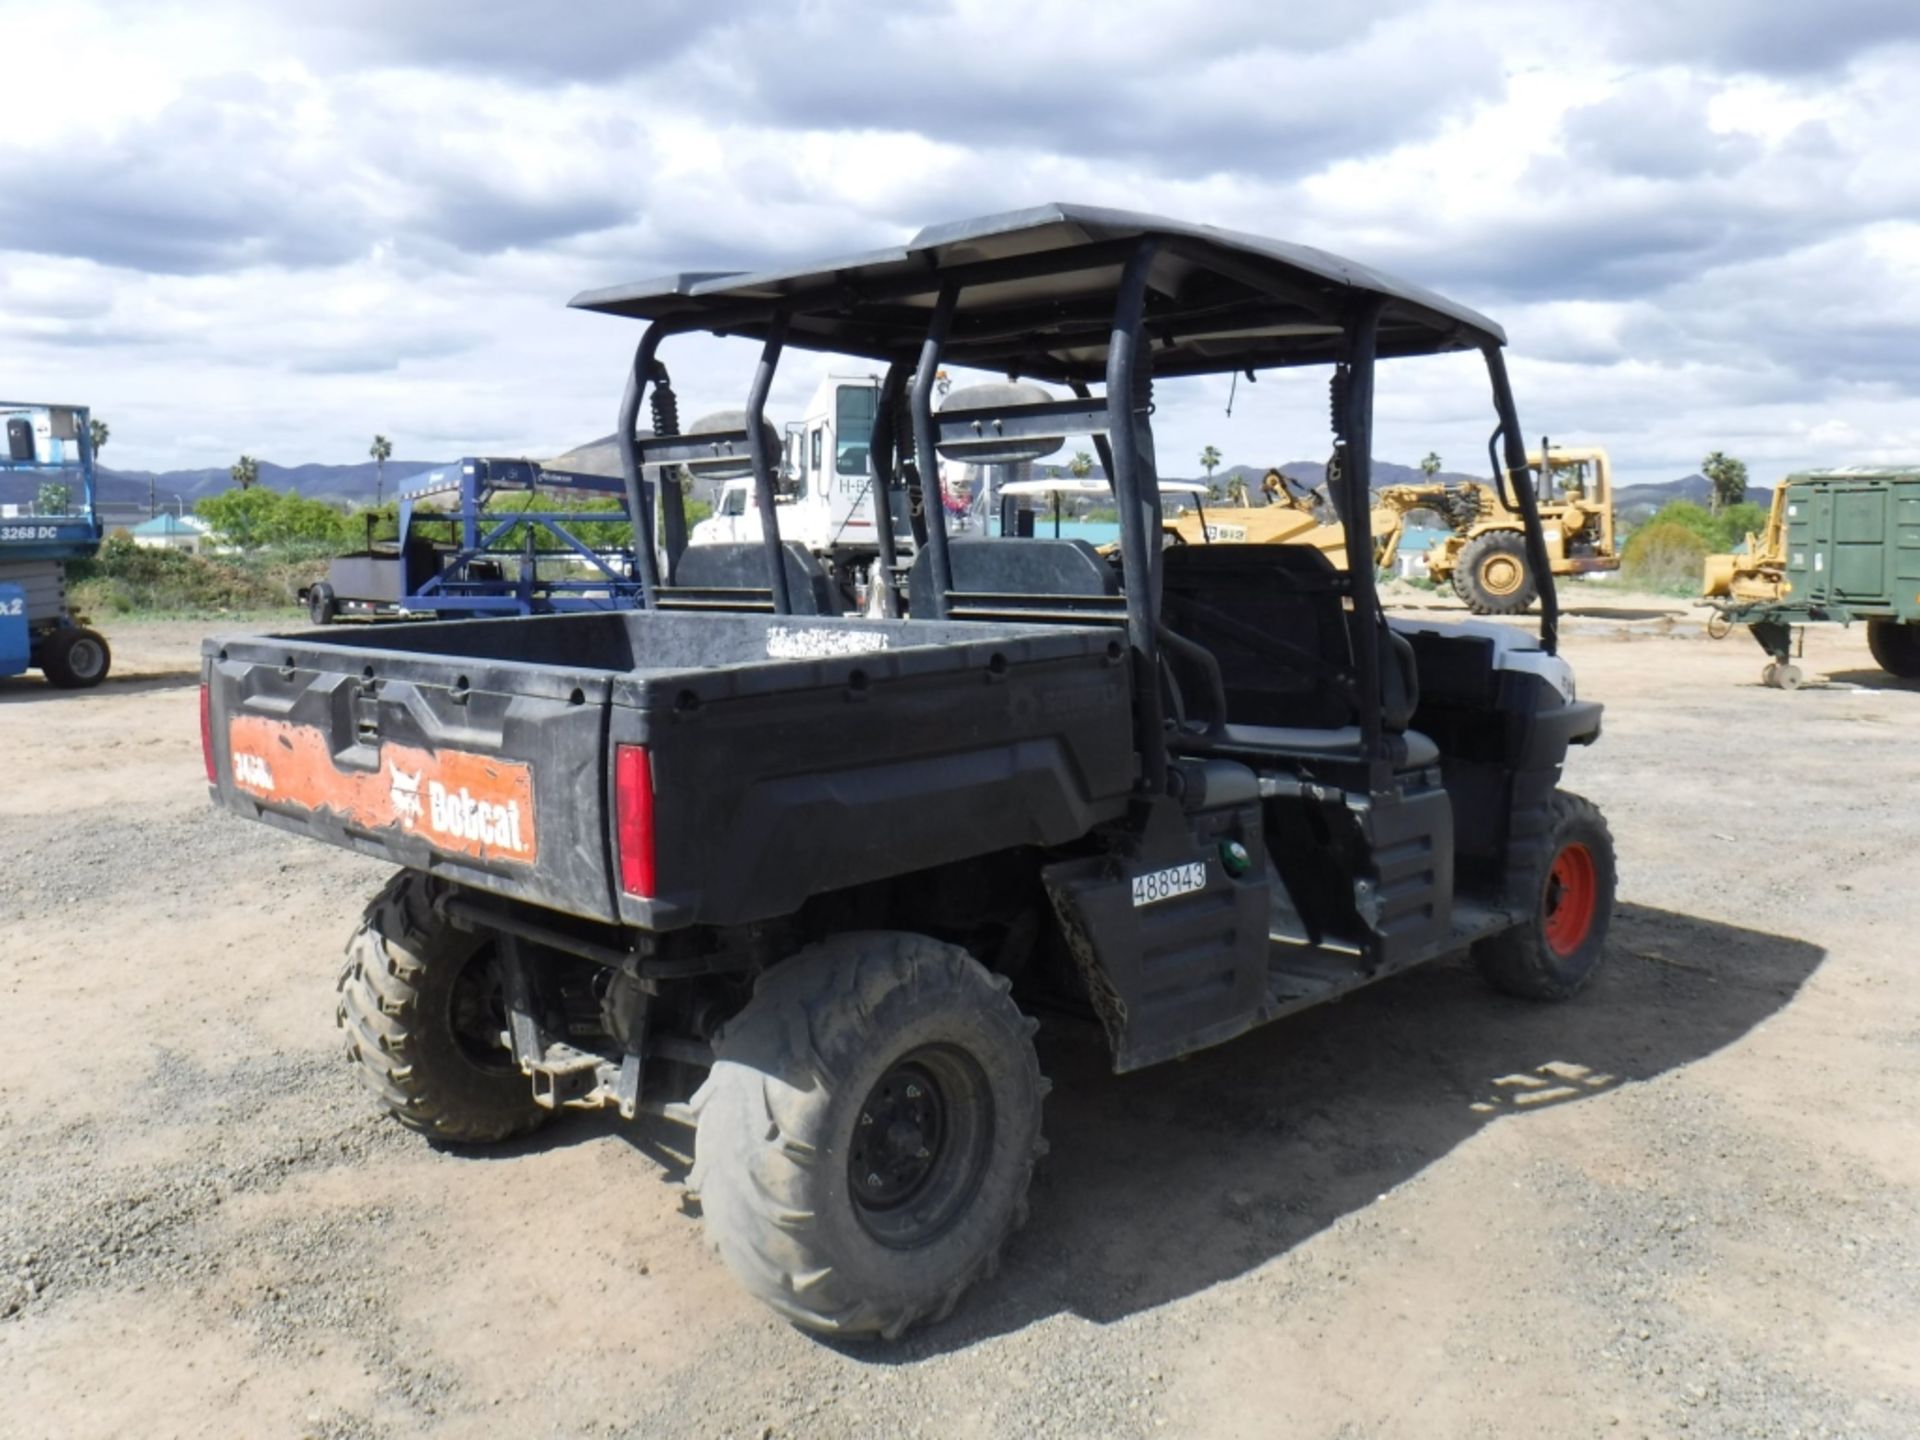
{"x": 803, "y": 879}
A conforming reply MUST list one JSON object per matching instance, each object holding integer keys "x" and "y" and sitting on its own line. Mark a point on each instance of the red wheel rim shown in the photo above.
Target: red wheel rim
{"x": 1573, "y": 894}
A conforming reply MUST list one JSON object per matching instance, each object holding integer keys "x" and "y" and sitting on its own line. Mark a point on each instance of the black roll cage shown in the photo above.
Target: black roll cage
{"x": 916, "y": 341}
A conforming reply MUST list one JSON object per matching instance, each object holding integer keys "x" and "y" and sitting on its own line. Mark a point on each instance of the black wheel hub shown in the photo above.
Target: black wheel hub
{"x": 897, "y": 1138}
{"x": 477, "y": 1013}
{"x": 920, "y": 1145}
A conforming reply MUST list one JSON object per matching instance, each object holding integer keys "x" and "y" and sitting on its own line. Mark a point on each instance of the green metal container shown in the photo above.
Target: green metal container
{"x": 1853, "y": 543}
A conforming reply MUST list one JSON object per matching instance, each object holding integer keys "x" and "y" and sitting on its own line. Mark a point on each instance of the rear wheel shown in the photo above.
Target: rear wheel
{"x": 868, "y": 1133}
{"x": 1896, "y": 647}
{"x": 1492, "y": 574}
{"x": 321, "y": 606}
{"x": 1555, "y": 951}
{"x": 424, "y": 1012}
{"x": 75, "y": 658}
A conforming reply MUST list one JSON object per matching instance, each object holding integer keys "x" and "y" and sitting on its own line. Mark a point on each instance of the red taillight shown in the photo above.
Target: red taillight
{"x": 206, "y": 732}
{"x": 633, "y": 817}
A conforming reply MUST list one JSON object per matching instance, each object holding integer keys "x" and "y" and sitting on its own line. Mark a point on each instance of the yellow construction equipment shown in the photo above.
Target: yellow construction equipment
{"x": 1483, "y": 555}
{"x": 1757, "y": 577}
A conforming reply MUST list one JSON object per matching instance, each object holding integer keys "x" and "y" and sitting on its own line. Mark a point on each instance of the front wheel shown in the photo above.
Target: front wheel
{"x": 75, "y": 658}
{"x": 1896, "y": 647}
{"x": 1492, "y": 574}
{"x": 1556, "y": 950}
{"x": 868, "y": 1133}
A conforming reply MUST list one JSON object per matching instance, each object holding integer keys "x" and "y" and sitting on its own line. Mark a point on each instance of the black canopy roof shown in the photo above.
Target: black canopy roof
{"x": 1038, "y": 298}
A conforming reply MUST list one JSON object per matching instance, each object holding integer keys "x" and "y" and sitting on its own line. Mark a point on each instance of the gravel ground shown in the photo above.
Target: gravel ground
{"x": 1683, "y": 1205}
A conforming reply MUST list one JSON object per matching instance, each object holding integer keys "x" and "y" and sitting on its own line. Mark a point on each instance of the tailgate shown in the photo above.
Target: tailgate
{"x": 489, "y": 773}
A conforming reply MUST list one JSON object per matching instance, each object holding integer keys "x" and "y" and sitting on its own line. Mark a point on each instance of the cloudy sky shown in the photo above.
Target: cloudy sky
{"x": 278, "y": 228}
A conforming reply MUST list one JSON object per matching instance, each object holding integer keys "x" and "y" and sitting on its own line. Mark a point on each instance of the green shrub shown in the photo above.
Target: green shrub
{"x": 1665, "y": 555}
{"x": 125, "y": 578}
{"x": 1720, "y": 532}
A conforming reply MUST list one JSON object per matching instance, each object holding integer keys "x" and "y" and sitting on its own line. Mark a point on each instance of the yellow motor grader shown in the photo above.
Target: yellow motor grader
{"x": 1483, "y": 556}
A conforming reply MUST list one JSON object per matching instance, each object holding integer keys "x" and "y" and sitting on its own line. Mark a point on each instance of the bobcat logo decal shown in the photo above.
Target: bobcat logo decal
{"x": 405, "y": 792}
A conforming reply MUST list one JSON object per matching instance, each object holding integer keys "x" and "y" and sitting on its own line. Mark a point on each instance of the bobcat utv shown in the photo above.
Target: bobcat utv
{"x": 802, "y": 879}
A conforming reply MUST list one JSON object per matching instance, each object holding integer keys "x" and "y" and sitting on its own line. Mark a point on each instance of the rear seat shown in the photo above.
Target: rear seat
{"x": 734, "y": 576}
{"x": 1020, "y": 579}
{"x": 1274, "y": 618}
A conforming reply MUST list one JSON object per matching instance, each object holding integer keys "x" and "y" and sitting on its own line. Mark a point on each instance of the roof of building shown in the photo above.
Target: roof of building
{"x": 165, "y": 524}
{"x": 1037, "y": 293}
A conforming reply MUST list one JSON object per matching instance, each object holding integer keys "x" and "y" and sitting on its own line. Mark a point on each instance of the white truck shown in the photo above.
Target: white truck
{"x": 827, "y": 503}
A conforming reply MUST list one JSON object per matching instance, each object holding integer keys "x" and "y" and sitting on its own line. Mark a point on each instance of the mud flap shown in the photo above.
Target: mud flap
{"x": 1171, "y": 941}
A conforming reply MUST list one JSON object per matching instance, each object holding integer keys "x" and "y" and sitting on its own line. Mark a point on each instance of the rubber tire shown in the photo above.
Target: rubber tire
{"x": 1896, "y": 647}
{"x": 1466, "y": 574}
{"x": 321, "y": 608}
{"x": 776, "y": 1116}
{"x": 58, "y": 658}
{"x": 396, "y": 996}
{"x": 1519, "y": 960}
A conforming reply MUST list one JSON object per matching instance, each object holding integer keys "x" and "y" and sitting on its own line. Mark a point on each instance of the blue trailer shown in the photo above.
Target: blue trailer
{"x": 460, "y": 552}
{"x": 47, "y": 518}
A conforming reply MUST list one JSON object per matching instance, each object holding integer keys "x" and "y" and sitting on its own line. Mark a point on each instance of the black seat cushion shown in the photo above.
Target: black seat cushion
{"x": 1273, "y": 617}
{"x": 1013, "y": 567}
{"x": 744, "y": 567}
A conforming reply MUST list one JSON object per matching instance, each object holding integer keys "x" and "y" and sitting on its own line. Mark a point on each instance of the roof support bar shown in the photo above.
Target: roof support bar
{"x": 926, "y": 454}
{"x": 1356, "y": 479}
{"x": 1101, "y": 447}
{"x": 763, "y": 486}
{"x": 1523, "y": 492}
{"x": 639, "y": 513}
{"x": 1138, "y": 491}
{"x": 1021, "y": 422}
{"x": 880, "y": 463}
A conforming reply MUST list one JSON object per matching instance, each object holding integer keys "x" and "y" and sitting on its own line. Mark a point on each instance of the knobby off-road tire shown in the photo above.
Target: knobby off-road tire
{"x": 868, "y": 1133}
{"x": 421, "y": 1010}
{"x": 1895, "y": 647}
{"x": 1557, "y": 949}
{"x": 75, "y": 658}
{"x": 1492, "y": 574}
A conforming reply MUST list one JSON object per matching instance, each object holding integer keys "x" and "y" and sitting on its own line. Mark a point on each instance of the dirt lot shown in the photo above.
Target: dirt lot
{"x": 1688, "y": 1203}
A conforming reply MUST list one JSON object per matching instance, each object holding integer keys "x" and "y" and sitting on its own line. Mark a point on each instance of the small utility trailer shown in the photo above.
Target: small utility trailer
{"x": 48, "y": 518}
{"x": 480, "y": 555}
{"x": 1840, "y": 546}
{"x": 803, "y": 879}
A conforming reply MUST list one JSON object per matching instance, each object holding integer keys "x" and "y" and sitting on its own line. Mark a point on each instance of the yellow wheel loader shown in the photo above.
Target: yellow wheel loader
{"x": 1484, "y": 554}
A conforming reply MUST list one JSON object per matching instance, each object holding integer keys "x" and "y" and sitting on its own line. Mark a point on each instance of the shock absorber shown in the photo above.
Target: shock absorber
{"x": 907, "y": 466}
{"x": 664, "y": 403}
{"x": 665, "y": 406}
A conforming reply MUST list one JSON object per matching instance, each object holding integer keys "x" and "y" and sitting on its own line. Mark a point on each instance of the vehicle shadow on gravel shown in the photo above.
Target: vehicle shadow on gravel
{"x": 1620, "y": 612}
{"x": 1874, "y": 679}
{"x": 1163, "y": 1183}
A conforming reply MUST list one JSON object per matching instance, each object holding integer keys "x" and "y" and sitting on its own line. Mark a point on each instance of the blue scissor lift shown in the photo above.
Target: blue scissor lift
{"x": 47, "y": 519}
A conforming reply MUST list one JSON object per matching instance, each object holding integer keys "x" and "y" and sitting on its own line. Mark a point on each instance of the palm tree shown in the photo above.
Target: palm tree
{"x": 1237, "y": 491}
{"x": 245, "y": 472}
{"x": 1430, "y": 466}
{"x": 381, "y": 450}
{"x": 97, "y": 435}
{"x": 1728, "y": 477}
{"x": 1209, "y": 460}
{"x": 1081, "y": 466}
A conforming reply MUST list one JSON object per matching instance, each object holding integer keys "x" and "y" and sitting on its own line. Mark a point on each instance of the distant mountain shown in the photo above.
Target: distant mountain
{"x": 125, "y": 493}
{"x": 349, "y": 484}
{"x": 1634, "y": 503}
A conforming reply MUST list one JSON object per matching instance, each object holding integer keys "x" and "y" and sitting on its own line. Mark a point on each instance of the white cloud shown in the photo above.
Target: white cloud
{"x": 279, "y": 229}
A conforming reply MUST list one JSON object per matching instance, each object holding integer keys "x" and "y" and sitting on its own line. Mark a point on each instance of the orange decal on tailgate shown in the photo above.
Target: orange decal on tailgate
{"x": 466, "y": 804}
